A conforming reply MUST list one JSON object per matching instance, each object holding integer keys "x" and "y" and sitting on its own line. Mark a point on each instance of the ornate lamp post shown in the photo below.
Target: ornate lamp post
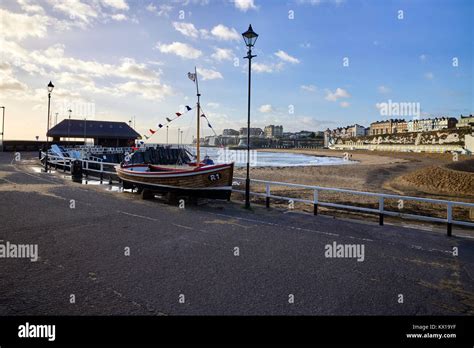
{"x": 250, "y": 37}
{"x": 3, "y": 127}
{"x": 50, "y": 90}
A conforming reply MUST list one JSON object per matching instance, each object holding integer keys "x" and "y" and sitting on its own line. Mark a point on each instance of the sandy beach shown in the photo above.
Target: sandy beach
{"x": 413, "y": 174}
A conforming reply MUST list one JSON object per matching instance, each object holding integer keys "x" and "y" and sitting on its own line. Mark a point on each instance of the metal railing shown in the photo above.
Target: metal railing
{"x": 381, "y": 211}
{"x": 316, "y": 201}
{"x": 66, "y": 164}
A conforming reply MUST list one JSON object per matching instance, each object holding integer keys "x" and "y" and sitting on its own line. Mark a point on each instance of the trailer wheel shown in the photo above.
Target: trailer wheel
{"x": 147, "y": 194}
{"x": 126, "y": 185}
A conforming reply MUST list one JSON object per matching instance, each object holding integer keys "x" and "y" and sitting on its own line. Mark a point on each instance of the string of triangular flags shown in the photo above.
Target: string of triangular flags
{"x": 192, "y": 77}
{"x": 169, "y": 120}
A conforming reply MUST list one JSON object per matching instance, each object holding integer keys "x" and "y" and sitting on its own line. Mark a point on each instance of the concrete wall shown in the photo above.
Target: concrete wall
{"x": 400, "y": 148}
{"x": 469, "y": 143}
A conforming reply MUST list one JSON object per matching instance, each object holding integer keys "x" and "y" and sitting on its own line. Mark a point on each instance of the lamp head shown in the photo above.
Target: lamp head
{"x": 250, "y": 37}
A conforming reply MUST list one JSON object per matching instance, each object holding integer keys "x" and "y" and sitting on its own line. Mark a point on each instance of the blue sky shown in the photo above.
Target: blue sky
{"x": 114, "y": 59}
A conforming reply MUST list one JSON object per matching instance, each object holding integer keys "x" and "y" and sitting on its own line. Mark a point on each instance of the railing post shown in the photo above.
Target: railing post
{"x": 449, "y": 219}
{"x": 315, "y": 202}
{"x": 381, "y": 211}
{"x": 101, "y": 172}
{"x": 267, "y": 198}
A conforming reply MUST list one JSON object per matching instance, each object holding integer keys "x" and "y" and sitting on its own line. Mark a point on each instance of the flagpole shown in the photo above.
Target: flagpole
{"x": 198, "y": 158}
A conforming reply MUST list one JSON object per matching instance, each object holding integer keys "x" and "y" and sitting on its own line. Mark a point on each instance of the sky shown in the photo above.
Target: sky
{"x": 320, "y": 63}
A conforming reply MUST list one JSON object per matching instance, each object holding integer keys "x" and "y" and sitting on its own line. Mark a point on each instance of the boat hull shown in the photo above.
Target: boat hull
{"x": 204, "y": 182}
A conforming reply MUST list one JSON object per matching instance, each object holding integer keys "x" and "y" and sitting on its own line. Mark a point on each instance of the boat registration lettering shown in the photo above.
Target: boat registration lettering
{"x": 214, "y": 177}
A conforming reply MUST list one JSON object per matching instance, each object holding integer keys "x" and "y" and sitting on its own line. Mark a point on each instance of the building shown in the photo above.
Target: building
{"x": 230, "y": 131}
{"x": 391, "y": 126}
{"x": 356, "y": 130}
{"x": 104, "y": 133}
{"x": 352, "y": 131}
{"x": 431, "y": 124}
{"x": 466, "y": 121}
{"x": 254, "y": 132}
{"x": 272, "y": 131}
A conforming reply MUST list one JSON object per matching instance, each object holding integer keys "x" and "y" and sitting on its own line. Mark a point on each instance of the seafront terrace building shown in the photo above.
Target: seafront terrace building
{"x": 392, "y": 126}
{"x": 230, "y": 131}
{"x": 272, "y": 131}
{"x": 431, "y": 124}
{"x": 254, "y": 132}
{"x": 465, "y": 121}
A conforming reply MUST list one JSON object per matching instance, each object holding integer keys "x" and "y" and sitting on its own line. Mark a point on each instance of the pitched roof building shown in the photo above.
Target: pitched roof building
{"x": 105, "y": 133}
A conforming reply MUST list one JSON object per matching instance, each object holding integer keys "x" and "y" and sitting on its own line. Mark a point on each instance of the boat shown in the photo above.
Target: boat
{"x": 201, "y": 179}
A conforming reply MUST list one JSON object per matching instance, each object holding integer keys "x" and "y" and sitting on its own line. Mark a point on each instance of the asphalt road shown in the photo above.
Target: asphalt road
{"x": 191, "y": 252}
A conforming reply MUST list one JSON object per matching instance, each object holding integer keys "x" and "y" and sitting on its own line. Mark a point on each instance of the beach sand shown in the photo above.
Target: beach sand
{"x": 427, "y": 175}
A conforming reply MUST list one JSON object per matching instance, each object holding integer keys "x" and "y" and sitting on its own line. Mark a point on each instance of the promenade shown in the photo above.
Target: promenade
{"x": 120, "y": 255}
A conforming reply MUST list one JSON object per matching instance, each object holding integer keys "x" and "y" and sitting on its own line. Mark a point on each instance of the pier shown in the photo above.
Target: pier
{"x": 222, "y": 258}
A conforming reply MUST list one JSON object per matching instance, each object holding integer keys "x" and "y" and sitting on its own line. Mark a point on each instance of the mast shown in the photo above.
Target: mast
{"x": 198, "y": 157}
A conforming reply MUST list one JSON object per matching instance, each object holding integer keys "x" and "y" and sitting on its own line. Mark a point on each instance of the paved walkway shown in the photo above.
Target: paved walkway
{"x": 192, "y": 252}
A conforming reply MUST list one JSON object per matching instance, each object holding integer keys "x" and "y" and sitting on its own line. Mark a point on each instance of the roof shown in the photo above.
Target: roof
{"x": 94, "y": 129}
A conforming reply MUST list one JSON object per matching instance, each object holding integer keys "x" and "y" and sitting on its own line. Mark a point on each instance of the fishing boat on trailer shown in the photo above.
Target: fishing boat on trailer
{"x": 205, "y": 181}
{"x": 199, "y": 179}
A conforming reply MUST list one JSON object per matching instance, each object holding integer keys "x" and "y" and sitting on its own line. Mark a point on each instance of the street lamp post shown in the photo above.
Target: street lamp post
{"x": 50, "y": 89}
{"x": 69, "y": 127}
{"x": 167, "y": 135}
{"x": 3, "y": 127}
{"x": 179, "y": 132}
{"x": 250, "y": 37}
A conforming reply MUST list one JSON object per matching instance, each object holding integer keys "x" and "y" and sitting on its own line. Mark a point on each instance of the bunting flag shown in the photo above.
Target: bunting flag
{"x": 192, "y": 76}
{"x": 178, "y": 114}
{"x": 146, "y": 137}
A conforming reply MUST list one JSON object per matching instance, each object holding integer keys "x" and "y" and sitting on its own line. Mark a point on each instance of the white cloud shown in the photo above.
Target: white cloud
{"x": 222, "y": 32}
{"x": 245, "y": 5}
{"x": 266, "y": 68}
{"x": 209, "y": 74}
{"x": 384, "y": 89}
{"x": 30, "y": 6}
{"x": 344, "y": 104}
{"x": 338, "y": 93}
{"x": 119, "y": 17}
{"x": 20, "y": 26}
{"x": 213, "y": 105}
{"x": 187, "y": 29}
{"x": 286, "y": 57}
{"x": 116, "y": 4}
{"x": 162, "y": 10}
{"x": 262, "y": 68}
{"x": 76, "y": 9}
{"x": 266, "y": 108}
{"x": 147, "y": 90}
{"x": 222, "y": 54}
{"x": 319, "y": 2}
{"x": 308, "y": 88}
{"x": 180, "y": 49}
{"x": 9, "y": 84}
{"x": 423, "y": 57}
